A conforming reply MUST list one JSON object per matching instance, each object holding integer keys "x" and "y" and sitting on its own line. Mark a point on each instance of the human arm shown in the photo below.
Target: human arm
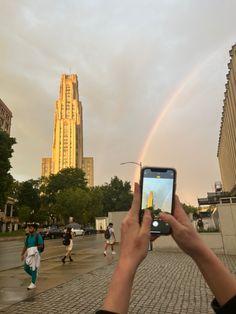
{"x": 23, "y": 252}
{"x": 39, "y": 242}
{"x": 219, "y": 279}
{"x": 133, "y": 249}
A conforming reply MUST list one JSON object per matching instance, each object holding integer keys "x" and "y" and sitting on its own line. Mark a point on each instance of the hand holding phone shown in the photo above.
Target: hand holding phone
{"x": 157, "y": 194}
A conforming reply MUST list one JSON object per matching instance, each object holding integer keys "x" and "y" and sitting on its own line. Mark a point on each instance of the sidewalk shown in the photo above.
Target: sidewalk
{"x": 166, "y": 282}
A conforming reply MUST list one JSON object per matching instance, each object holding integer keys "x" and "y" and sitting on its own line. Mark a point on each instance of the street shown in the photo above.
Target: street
{"x": 87, "y": 256}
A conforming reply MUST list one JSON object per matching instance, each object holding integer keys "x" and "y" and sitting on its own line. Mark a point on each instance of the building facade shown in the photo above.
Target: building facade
{"x": 88, "y": 169}
{"x": 8, "y": 220}
{"x": 46, "y": 166}
{"x": 67, "y": 149}
{"x": 5, "y": 117}
{"x": 227, "y": 139}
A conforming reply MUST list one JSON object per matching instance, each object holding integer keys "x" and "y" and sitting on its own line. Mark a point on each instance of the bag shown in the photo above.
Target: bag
{"x": 66, "y": 240}
{"x": 107, "y": 234}
{"x": 37, "y": 242}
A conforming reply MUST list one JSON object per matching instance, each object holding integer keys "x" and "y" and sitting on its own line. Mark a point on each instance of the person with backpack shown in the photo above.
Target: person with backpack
{"x": 33, "y": 246}
{"x": 68, "y": 242}
{"x": 110, "y": 239}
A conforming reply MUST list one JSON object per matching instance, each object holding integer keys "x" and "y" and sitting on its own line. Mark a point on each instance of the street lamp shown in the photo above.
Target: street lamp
{"x": 132, "y": 162}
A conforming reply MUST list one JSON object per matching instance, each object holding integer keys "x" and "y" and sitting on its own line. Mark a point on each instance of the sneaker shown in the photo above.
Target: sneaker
{"x": 105, "y": 253}
{"x": 113, "y": 252}
{"x": 31, "y": 286}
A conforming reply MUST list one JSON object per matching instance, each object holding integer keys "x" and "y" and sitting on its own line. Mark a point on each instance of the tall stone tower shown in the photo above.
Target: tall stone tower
{"x": 67, "y": 149}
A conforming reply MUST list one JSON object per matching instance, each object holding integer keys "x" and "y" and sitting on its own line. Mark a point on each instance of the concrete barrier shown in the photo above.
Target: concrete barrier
{"x": 223, "y": 242}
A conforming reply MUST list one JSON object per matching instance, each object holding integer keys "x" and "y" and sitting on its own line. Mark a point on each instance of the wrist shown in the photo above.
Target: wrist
{"x": 126, "y": 267}
{"x": 201, "y": 253}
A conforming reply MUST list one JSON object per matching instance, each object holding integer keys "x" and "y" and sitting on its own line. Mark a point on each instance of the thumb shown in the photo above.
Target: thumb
{"x": 175, "y": 225}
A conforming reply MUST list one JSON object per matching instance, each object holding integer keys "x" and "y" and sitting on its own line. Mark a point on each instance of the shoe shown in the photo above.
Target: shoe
{"x": 71, "y": 260}
{"x": 105, "y": 253}
{"x": 63, "y": 260}
{"x": 113, "y": 252}
{"x": 31, "y": 286}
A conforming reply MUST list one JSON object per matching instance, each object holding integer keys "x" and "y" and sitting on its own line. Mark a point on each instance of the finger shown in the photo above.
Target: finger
{"x": 179, "y": 212}
{"x": 134, "y": 210}
{"x": 175, "y": 225}
{"x": 146, "y": 223}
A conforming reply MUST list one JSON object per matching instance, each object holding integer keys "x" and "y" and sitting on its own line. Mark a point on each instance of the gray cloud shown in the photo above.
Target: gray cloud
{"x": 130, "y": 57}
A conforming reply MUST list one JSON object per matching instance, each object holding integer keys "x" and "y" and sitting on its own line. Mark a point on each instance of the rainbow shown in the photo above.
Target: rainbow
{"x": 167, "y": 106}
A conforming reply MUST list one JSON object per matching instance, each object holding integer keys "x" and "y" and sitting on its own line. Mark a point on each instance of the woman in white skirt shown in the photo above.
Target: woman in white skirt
{"x": 69, "y": 247}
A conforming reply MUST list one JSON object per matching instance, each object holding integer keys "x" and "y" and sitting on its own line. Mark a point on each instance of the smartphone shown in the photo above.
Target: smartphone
{"x": 157, "y": 194}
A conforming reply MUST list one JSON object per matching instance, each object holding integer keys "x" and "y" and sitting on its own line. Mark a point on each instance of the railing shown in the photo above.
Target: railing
{"x": 228, "y": 200}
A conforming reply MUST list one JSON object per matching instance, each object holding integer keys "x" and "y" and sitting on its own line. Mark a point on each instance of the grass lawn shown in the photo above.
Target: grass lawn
{"x": 16, "y": 233}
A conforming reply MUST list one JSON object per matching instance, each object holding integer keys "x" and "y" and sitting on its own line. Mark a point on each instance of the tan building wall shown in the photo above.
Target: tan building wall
{"x": 5, "y": 117}
{"x": 227, "y": 139}
{"x": 46, "y": 169}
{"x": 67, "y": 150}
{"x": 88, "y": 169}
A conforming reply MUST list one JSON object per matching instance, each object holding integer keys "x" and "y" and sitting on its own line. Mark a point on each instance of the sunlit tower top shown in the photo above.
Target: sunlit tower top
{"x": 67, "y": 150}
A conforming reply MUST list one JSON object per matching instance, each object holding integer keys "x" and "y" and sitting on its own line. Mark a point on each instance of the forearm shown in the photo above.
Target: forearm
{"x": 219, "y": 279}
{"x": 23, "y": 251}
{"x": 118, "y": 296}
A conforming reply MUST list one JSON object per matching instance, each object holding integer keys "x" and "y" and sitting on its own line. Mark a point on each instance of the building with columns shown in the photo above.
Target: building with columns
{"x": 5, "y": 118}
{"x": 8, "y": 220}
{"x": 67, "y": 149}
{"x": 227, "y": 139}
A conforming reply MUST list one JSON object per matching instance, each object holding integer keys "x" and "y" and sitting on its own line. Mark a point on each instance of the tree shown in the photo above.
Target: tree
{"x": 72, "y": 202}
{"x": 28, "y": 195}
{"x": 6, "y": 143}
{"x": 65, "y": 179}
{"x": 117, "y": 195}
{"x": 190, "y": 209}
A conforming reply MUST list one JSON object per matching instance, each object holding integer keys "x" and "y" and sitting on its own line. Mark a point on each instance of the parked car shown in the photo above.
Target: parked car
{"x": 52, "y": 232}
{"x": 89, "y": 230}
{"x": 76, "y": 229}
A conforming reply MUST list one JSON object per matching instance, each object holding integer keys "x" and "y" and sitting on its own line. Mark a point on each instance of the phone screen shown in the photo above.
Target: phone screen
{"x": 157, "y": 195}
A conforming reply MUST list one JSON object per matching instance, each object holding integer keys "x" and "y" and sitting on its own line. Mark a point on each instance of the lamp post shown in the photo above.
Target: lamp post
{"x": 132, "y": 162}
{"x": 140, "y": 165}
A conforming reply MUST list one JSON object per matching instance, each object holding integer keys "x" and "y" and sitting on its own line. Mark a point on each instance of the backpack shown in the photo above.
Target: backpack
{"x": 66, "y": 240}
{"x": 107, "y": 234}
{"x": 37, "y": 242}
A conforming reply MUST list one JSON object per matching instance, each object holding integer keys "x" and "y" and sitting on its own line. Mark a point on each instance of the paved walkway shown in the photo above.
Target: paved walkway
{"x": 165, "y": 283}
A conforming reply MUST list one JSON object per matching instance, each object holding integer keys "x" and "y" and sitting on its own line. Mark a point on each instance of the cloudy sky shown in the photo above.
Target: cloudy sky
{"x": 151, "y": 75}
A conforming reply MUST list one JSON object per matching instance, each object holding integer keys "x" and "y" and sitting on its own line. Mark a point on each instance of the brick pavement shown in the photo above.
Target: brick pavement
{"x": 166, "y": 282}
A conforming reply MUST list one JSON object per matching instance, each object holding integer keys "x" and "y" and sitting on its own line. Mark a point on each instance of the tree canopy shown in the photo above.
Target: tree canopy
{"x": 117, "y": 195}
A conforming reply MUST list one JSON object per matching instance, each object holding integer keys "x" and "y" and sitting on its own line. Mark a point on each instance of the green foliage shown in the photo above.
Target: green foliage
{"x": 190, "y": 209}
{"x": 25, "y": 214}
{"x": 6, "y": 180}
{"x": 28, "y": 195}
{"x": 71, "y": 203}
{"x": 117, "y": 195}
{"x": 65, "y": 179}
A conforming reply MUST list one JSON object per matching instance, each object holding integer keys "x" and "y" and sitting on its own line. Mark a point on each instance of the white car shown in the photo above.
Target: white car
{"x": 76, "y": 229}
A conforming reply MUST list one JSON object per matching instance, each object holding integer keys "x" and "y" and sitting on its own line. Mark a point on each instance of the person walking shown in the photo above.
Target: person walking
{"x": 69, "y": 245}
{"x": 110, "y": 239}
{"x": 31, "y": 254}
